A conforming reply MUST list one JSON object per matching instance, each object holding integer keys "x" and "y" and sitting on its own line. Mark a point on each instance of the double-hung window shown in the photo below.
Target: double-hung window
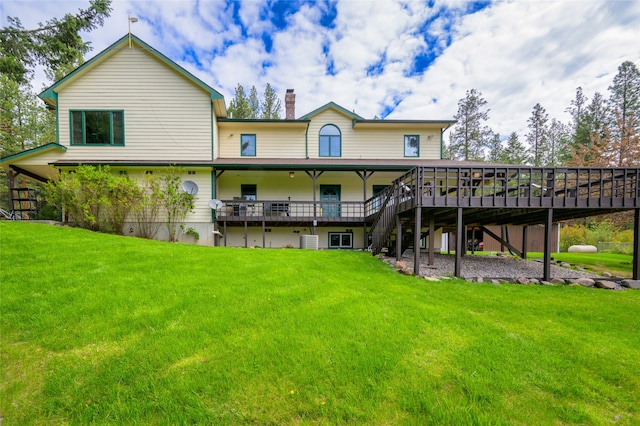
{"x": 97, "y": 127}
{"x": 411, "y": 145}
{"x": 330, "y": 141}
{"x": 248, "y": 145}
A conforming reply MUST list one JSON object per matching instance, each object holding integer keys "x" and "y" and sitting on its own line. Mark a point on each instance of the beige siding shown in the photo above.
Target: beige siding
{"x": 270, "y": 142}
{"x": 381, "y": 142}
{"x": 276, "y": 185}
{"x": 166, "y": 116}
{"x": 285, "y": 237}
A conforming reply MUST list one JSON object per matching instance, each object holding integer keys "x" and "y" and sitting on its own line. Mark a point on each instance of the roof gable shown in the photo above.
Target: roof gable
{"x": 49, "y": 95}
{"x": 334, "y": 106}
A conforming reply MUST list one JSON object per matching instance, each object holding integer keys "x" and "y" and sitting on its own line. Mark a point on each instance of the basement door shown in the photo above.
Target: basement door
{"x": 330, "y": 193}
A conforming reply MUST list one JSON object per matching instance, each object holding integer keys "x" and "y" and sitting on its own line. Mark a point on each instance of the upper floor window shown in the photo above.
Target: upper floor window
{"x": 411, "y": 145}
{"x": 330, "y": 141}
{"x": 97, "y": 127}
{"x": 248, "y": 145}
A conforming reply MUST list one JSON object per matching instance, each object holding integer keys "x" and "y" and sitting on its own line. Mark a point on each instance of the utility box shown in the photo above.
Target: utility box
{"x": 309, "y": 242}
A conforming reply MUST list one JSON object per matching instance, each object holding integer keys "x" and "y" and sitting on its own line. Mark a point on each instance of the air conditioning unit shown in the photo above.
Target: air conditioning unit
{"x": 309, "y": 242}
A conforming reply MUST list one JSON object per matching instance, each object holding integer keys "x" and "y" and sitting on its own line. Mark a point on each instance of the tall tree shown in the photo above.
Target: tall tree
{"x": 239, "y": 105}
{"x": 537, "y": 136}
{"x": 56, "y": 44}
{"x": 271, "y": 105}
{"x": 515, "y": 151}
{"x": 558, "y": 138}
{"x": 471, "y": 135}
{"x": 583, "y": 150}
{"x": 496, "y": 150}
{"x": 624, "y": 109}
{"x": 254, "y": 103}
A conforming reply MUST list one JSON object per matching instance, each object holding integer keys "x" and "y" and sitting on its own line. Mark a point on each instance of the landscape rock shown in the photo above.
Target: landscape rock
{"x": 546, "y": 283}
{"x": 434, "y": 279}
{"x": 407, "y": 271}
{"x": 522, "y": 280}
{"x": 607, "y": 274}
{"x": 495, "y": 282}
{"x": 585, "y": 282}
{"x": 631, "y": 284}
{"x": 401, "y": 264}
{"x": 565, "y": 265}
{"x": 609, "y": 285}
{"x": 557, "y": 281}
{"x": 533, "y": 281}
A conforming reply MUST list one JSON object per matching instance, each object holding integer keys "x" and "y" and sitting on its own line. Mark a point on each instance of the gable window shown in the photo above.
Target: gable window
{"x": 330, "y": 141}
{"x": 248, "y": 145}
{"x": 97, "y": 127}
{"x": 340, "y": 240}
{"x": 411, "y": 145}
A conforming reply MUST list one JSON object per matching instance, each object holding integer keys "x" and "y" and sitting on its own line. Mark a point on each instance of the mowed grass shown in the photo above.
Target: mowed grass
{"x": 105, "y": 329}
{"x": 617, "y": 264}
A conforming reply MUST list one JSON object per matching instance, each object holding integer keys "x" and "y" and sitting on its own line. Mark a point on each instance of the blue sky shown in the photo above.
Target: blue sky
{"x": 390, "y": 59}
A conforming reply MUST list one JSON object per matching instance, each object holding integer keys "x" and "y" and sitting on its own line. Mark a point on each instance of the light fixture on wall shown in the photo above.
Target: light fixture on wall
{"x": 292, "y": 174}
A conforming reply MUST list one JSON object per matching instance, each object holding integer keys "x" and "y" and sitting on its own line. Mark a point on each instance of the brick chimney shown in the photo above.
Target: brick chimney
{"x": 290, "y": 105}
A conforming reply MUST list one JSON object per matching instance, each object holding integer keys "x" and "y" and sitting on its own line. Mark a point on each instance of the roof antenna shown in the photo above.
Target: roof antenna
{"x": 134, "y": 20}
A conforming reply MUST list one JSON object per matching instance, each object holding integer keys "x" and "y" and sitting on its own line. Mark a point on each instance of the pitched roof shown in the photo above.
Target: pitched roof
{"x": 335, "y": 106}
{"x": 49, "y": 95}
{"x": 36, "y": 150}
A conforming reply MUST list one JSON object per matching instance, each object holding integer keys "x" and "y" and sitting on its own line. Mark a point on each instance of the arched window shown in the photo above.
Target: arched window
{"x": 330, "y": 141}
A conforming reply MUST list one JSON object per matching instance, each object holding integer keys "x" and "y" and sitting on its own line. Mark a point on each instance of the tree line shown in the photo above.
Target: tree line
{"x": 602, "y": 131}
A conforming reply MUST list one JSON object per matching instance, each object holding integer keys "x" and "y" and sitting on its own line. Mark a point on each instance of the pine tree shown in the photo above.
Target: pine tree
{"x": 470, "y": 136}
{"x": 537, "y": 136}
{"x": 239, "y": 105}
{"x": 624, "y": 109}
{"x": 271, "y": 105}
{"x": 558, "y": 137}
{"x": 515, "y": 151}
{"x": 496, "y": 150}
{"x": 56, "y": 44}
{"x": 254, "y": 103}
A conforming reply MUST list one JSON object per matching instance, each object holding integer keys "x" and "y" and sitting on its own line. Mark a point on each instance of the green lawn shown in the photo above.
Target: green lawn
{"x": 117, "y": 330}
{"x": 619, "y": 265}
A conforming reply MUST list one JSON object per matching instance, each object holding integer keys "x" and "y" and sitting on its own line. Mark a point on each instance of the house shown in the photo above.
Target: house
{"x": 134, "y": 109}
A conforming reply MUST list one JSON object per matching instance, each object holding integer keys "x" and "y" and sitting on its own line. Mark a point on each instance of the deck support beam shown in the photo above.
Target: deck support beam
{"x": 432, "y": 239}
{"x": 416, "y": 241}
{"x": 636, "y": 245}
{"x": 398, "y": 238}
{"x": 459, "y": 243}
{"x": 548, "y": 234}
{"x": 524, "y": 242}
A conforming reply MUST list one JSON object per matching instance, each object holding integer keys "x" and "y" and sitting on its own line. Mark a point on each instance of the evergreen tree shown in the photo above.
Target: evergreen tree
{"x": 57, "y": 44}
{"x": 470, "y": 136}
{"x": 254, "y": 103}
{"x": 624, "y": 109}
{"x": 558, "y": 137}
{"x": 515, "y": 151}
{"x": 239, "y": 105}
{"x": 271, "y": 106}
{"x": 537, "y": 136}
{"x": 496, "y": 151}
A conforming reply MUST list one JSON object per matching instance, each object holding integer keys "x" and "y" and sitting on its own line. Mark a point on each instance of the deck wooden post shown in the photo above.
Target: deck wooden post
{"x": 398, "y": 238}
{"x": 264, "y": 241}
{"x": 416, "y": 241}
{"x": 636, "y": 245}
{"x": 459, "y": 243}
{"x": 548, "y": 233}
{"x": 224, "y": 230}
{"x": 432, "y": 240}
{"x": 246, "y": 237}
{"x": 524, "y": 242}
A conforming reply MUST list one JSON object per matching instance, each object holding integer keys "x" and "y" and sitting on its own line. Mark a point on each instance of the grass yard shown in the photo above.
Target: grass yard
{"x": 620, "y": 265}
{"x": 106, "y": 329}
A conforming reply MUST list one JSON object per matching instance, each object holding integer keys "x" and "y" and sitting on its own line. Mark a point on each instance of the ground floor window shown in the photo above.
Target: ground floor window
{"x": 340, "y": 240}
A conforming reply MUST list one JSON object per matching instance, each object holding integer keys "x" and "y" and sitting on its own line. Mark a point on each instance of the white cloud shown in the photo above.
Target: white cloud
{"x": 517, "y": 53}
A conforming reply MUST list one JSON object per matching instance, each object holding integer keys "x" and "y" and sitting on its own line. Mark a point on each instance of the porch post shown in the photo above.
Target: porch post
{"x": 398, "y": 238}
{"x": 416, "y": 241}
{"x": 459, "y": 243}
{"x": 524, "y": 241}
{"x": 548, "y": 228}
{"x": 246, "y": 236}
{"x": 224, "y": 227}
{"x": 636, "y": 245}
{"x": 314, "y": 178}
{"x": 432, "y": 239}
{"x": 264, "y": 242}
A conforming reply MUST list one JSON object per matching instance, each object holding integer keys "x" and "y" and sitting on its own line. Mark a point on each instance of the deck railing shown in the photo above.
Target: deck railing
{"x": 280, "y": 210}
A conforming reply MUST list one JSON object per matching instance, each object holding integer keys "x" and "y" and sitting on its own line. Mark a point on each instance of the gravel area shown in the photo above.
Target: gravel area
{"x": 490, "y": 267}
